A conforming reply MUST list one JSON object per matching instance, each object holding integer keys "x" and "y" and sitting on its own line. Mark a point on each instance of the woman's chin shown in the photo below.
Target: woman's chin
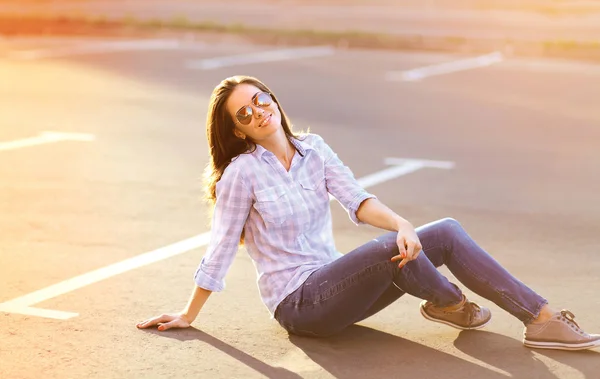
{"x": 267, "y": 131}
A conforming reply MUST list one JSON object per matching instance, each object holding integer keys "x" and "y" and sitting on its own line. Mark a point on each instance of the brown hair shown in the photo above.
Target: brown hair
{"x": 223, "y": 144}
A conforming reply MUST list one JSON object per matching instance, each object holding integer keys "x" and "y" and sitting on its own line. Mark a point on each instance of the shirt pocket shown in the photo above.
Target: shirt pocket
{"x": 313, "y": 182}
{"x": 316, "y": 198}
{"x": 273, "y": 205}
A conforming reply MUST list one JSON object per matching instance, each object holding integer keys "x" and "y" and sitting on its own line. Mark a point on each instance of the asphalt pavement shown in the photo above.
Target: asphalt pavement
{"x": 119, "y": 181}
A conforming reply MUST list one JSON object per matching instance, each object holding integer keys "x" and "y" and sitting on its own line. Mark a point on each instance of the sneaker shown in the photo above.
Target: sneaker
{"x": 465, "y": 316}
{"x": 561, "y": 332}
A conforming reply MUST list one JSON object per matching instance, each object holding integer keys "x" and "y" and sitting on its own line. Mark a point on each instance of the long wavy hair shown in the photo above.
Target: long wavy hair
{"x": 223, "y": 144}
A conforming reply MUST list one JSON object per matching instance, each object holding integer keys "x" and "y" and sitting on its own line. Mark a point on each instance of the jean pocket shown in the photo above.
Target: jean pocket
{"x": 273, "y": 205}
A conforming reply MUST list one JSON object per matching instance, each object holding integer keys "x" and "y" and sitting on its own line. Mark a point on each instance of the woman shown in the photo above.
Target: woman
{"x": 271, "y": 192}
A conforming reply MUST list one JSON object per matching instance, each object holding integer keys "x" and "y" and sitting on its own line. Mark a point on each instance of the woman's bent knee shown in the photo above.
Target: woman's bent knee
{"x": 385, "y": 246}
{"x": 449, "y": 227}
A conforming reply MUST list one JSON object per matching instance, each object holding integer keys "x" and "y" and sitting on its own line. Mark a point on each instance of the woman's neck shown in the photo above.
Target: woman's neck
{"x": 281, "y": 147}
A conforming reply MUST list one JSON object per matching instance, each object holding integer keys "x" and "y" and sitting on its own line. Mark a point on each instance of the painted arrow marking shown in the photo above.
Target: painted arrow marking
{"x": 45, "y": 137}
{"x": 23, "y": 304}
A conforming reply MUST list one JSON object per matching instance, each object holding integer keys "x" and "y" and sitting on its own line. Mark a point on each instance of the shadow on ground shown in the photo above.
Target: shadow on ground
{"x": 520, "y": 362}
{"x": 245, "y": 358}
{"x": 362, "y": 352}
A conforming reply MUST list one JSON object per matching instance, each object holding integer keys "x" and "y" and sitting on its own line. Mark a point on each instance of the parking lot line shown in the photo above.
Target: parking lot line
{"x": 444, "y": 68}
{"x": 23, "y": 304}
{"x": 38, "y": 312}
{"x": 264, "y": 56}
{"x": 100, "y": 47}
{"x": 46, "y": 137}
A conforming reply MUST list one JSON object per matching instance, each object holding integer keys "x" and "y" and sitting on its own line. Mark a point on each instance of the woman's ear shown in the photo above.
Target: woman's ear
{"x": 239, "y": 134}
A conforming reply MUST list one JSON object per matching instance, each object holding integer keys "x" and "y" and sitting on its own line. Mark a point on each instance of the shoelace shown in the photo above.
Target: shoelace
{"x": 570, "y": 317}
{"x": 471, "y": 309}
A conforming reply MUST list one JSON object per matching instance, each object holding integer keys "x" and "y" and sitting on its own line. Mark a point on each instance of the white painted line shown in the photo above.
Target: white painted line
{"x": 46, "y": 137}
{"x": 263, "y": 56}
{"x": 400, "y": 167}
{"x": 23, "y": 304}
{"x": 446, "y": 165}
{"x": 445, "y": 68}
{"x": 101, "y": 47}
{"x": 390, "y": 173}
{"x": 38, "y": 312}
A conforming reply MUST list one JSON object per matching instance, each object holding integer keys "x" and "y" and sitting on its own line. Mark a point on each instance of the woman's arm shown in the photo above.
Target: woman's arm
{"x": 231, "y": 211}
{"x": 195, "y": 304}
{"x": 182, "y": 319}
{"x": 375, "y": 213}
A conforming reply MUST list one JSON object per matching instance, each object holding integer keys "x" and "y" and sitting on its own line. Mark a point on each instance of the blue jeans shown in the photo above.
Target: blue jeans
{"x": 364, "y": 281}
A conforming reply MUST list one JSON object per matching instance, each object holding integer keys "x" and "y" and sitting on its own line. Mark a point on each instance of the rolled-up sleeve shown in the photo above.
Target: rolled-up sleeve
{"x": 231, "y": 211}
{"x": 341, "y": 183}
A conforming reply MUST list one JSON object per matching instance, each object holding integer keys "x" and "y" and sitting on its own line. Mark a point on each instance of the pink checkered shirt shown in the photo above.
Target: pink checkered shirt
{"x": 286, "y": 217}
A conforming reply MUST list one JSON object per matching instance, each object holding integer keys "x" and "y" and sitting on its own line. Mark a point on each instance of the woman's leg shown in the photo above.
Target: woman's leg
{"x": 357, "y": 285}
{"x": 483, "y": 275}
{"x": 478, "y": 271}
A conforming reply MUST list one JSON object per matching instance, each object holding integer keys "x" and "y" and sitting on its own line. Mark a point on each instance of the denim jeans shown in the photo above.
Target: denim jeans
{"x": 364, "y": 281}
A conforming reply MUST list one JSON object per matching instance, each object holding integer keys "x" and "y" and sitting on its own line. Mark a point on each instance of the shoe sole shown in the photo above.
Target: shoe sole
{"x": 452, "y": 324}
{"x": 561, "y": 346}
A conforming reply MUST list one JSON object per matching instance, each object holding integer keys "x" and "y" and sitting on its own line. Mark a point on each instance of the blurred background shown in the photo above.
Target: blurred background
{"x": 495, "y": 104}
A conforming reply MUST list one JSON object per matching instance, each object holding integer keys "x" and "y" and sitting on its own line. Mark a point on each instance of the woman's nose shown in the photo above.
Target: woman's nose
{"x": 259, "y": 112}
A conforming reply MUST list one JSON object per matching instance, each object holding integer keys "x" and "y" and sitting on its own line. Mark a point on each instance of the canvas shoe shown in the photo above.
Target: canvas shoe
{"x": 561, "y": 332}
{"x": 465, "y": 316}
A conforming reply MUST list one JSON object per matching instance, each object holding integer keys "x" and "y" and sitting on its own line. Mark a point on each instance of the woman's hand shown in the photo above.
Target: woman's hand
{"x": 166, "y": 321}
{"x": 375, "y": 213}
{"x": 409, "y": 245}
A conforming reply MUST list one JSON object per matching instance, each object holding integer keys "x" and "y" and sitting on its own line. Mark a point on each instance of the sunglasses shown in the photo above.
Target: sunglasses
{"x": 260, "y": 100}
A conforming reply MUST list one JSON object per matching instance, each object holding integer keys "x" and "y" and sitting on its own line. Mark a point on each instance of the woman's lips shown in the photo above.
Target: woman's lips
{"x": 266, "y": 121}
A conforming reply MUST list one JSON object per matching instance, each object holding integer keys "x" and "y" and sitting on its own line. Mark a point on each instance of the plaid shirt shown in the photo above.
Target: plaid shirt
{"x": 285, "y": 215}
